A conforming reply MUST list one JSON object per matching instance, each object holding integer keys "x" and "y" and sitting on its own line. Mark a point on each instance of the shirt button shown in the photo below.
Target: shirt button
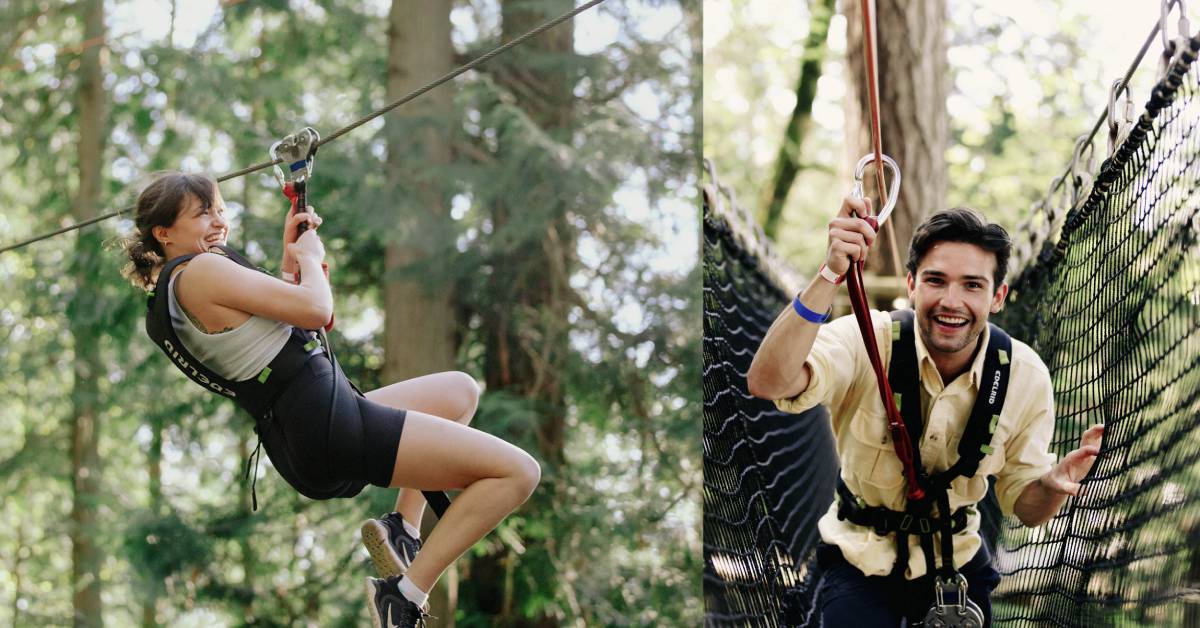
{"x": 933, "y": 437}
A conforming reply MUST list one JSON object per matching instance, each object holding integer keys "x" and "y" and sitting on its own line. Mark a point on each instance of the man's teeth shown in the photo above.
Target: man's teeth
{"x": 950, "y": 320}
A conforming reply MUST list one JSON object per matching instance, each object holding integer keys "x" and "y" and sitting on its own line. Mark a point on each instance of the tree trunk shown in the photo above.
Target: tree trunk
{"x": 18, "y": 585}
{"x": 787, "y": 164}
{"x": 420, "y": 334}
{"x": 912, "y": 66}
{"x": 249, "y": 557}
{"x": 88, "y": 367}
{"x": 154, "y": 471}
{"x": 419, "y": 331}
{"x": 526, "y": 334}
{"x": 515, "y": 363}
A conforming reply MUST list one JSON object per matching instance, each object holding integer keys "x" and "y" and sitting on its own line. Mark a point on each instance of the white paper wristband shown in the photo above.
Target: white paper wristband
{"x": 829, "y": 275}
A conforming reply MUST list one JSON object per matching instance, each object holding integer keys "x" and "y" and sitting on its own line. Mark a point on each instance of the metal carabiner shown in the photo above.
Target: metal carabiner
{"x": 1172, "y": 49}
{"x": 298, "y": 151}
{"x": 893, "y": 191}
{"x": 1118, "y": 123}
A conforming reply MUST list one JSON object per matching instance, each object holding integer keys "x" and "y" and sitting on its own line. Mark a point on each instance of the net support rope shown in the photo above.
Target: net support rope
{"x": 1110, "y": 301}
{"x": 470, "y": 65}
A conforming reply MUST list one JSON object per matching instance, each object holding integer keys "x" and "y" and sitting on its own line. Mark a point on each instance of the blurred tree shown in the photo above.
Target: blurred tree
{"x": 911, "y": 62}
{"x": 788, "y": 163}
{"x": 419, "y": 318}
{"x": 86, "y": 325}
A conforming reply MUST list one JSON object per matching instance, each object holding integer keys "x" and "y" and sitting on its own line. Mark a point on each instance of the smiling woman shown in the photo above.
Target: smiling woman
{"x": 327, "y": 439}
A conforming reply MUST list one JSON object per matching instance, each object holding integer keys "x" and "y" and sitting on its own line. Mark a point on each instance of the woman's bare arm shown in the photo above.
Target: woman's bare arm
{"x": 216, "y": 280}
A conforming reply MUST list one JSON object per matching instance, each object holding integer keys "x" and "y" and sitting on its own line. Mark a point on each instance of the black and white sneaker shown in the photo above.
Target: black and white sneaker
{"x": 391, "y": 547}
{"x": 390, "y": 608}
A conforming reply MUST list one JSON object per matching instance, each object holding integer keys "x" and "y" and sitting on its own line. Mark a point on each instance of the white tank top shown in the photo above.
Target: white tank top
{"x": 238, "y": 354}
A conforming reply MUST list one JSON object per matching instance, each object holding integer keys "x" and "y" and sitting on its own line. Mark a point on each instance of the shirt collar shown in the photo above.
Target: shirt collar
{"x": 929, "y": 370}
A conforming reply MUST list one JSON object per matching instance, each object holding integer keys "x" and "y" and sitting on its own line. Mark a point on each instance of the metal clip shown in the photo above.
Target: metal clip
{"x": 893, "y": 191}
{"x": 1172, "y": 49}
{"x": 1118, "y": 128}
{"x": 1081, "y": 179}
{"x": 960, "y": 613}
{"x": 298, "y": 152}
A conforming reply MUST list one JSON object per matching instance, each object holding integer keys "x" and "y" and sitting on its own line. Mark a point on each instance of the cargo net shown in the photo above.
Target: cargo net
{"x": 1109, "y": 298}
{"x": 768, "y": 475}
{"x": 1113, "y": 308}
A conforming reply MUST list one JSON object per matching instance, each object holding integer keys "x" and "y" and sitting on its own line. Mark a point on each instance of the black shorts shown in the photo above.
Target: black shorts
{"x": 325, "y": 454}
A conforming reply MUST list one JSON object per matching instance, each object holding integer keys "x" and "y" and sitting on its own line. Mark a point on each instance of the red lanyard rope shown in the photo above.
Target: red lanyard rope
{"x": 858, "y": 294}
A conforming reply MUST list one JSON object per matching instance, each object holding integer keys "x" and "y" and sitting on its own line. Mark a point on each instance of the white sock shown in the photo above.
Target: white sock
{"x": 412, "y": 593}
{"x": 408, "y": 527}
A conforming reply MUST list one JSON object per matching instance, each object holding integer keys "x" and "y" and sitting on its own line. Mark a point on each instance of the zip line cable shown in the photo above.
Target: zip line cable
{"x": 470, "y": 65}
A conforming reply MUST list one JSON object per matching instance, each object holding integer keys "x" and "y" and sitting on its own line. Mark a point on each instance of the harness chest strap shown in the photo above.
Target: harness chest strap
{"x": 918, "y": 517}
{"x": 256, "y": 395}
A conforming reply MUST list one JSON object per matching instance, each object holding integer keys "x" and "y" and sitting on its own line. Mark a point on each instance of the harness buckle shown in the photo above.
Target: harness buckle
{"x": 961, "y": 612}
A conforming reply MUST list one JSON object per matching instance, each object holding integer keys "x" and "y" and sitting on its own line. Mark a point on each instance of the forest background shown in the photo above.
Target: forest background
{"x": 993, "y": 108}
{"x": 533, "y": 223}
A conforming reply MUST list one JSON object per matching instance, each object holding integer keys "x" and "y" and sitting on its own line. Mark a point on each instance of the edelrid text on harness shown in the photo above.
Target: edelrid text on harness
{"x": 256, "y": 395}
{"x": 919, "y": 517}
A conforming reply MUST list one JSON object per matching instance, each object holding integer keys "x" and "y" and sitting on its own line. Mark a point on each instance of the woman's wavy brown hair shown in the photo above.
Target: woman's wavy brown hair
{"x": 158, "y": 206}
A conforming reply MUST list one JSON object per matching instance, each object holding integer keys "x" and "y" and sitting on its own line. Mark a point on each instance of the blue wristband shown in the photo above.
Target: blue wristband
{"x": 809, "y": 315}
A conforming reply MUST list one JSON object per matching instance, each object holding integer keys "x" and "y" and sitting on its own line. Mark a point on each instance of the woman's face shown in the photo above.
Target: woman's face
{"x": 196, "y": 227}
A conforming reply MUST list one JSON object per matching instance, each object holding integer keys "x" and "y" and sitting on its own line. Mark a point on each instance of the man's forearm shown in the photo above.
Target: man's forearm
{"x": 1038, "y": 503}
{"x": 778, "y": 366}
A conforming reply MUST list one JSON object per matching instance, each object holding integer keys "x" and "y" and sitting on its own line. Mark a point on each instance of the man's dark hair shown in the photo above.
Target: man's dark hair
{"x": 961, "y": 224}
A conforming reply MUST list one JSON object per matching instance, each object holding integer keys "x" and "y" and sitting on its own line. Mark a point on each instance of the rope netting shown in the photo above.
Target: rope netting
{"x": 768, "y": 475}
{"x": 1112, "y": 305}
{"x": 1113, "y": 308}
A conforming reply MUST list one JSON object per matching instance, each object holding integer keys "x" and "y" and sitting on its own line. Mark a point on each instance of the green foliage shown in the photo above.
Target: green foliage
{"x": 611, "y": 538}
{"x": 1017, "y": 101}
{"x": 161, "y": 546}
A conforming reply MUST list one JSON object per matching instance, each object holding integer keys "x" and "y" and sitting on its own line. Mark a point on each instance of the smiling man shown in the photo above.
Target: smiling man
{"x": 976, "y": 403}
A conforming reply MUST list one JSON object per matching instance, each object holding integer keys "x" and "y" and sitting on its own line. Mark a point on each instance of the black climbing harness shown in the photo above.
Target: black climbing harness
{"x": 919, "y": 518}
{"x": 256, "y": 395}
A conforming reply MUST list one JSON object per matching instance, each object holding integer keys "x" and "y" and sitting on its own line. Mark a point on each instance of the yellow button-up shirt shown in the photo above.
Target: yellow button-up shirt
{"x": 842, "y": 380}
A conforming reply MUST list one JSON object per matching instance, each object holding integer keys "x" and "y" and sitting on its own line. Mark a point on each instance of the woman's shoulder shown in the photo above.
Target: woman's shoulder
{"x": 207, "y": 264}
{"x": 207, "y": 270}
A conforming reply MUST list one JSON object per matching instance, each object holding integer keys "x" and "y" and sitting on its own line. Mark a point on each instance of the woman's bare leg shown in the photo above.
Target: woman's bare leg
{"x": 450, "y": 395}
{"x": 495, "y": 477}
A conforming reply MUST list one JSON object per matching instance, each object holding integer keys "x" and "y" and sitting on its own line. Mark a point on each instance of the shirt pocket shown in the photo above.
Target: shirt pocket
{"x": 870, "y": 456}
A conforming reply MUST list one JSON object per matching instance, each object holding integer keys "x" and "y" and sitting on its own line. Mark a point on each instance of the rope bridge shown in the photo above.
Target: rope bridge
{"x": 1107, "y": 290}
{"x": 768, "y": 475}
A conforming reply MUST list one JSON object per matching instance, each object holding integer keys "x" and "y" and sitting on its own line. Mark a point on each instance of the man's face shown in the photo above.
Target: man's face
{"x": 953, "y": 294}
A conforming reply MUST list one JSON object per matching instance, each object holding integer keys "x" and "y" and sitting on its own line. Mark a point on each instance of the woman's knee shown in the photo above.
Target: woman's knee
{"x": 466, "y": 396}
{"x": 526, "y": 474}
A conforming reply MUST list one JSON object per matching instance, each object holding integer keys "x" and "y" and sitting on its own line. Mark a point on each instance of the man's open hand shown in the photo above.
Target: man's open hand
{"x": 1065, "y": 476}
